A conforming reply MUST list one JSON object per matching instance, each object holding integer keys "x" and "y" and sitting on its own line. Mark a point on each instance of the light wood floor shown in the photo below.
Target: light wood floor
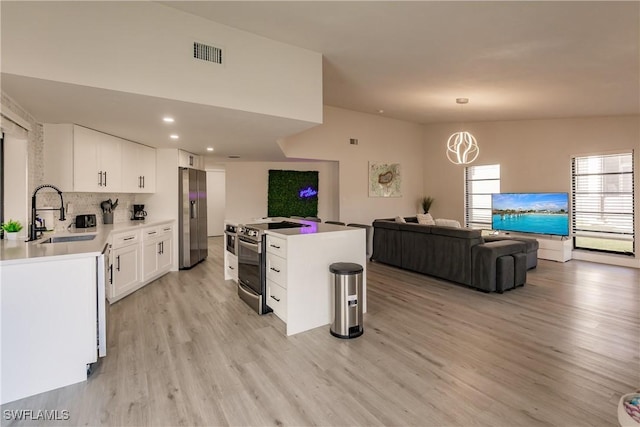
{"x": 186, "y": 351}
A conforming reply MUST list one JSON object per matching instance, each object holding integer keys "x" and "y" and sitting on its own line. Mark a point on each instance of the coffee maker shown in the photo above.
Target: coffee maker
{"x": 138, "y": 213}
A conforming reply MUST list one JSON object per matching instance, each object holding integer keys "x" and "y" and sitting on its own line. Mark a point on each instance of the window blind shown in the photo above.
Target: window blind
{"x": 603, "y": 203}
{"x": 480, "y": 183}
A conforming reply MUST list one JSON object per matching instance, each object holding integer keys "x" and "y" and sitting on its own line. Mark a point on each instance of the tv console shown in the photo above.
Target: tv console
{"x": 554, "y": 249}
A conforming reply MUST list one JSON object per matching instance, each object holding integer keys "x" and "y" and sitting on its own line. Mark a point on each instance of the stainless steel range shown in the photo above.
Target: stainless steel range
{"x": 251, "y": 248}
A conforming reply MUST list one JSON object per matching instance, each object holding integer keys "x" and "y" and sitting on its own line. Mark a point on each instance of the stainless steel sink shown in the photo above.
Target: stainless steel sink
{"x": 66, "y": 239}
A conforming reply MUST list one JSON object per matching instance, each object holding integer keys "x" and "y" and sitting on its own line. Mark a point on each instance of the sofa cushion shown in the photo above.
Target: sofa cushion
{"x": 443, "y": 222}
{"x": 400, "y": 220}
{"x": 461, "y": 233}
{"x": 425, "y": 219}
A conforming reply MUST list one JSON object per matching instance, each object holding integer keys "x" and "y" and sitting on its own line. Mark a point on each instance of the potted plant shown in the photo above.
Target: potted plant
{"x": 11, "y": 229}
{"x": 426, "y": 203}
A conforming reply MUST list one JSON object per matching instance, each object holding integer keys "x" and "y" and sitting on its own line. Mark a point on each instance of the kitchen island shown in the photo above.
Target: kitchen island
{"x": 298, "y": 281}
{"x": 52, "y": 309}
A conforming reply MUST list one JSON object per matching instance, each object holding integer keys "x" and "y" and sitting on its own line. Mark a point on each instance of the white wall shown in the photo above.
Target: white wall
{"x": 534, "y": 156}
{"x": 247, "y": 188}
{"x": 16, "y": 192}
{"x": 146, "y": 48}
{"x": 379, "y": 139}
{"x": 163, "y": 204}
{"x": 215, "y": 202}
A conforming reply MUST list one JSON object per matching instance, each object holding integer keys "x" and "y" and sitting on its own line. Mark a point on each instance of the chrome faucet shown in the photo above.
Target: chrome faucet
{"x": 33, "y": 235}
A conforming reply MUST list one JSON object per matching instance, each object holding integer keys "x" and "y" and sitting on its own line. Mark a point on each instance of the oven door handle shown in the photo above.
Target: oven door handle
{"x": 256, "y": 247}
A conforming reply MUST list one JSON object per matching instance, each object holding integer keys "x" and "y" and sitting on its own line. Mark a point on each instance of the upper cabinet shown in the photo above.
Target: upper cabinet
{"x": 83, "y": 160}
{"x": 96, "y": 161}
{"x": 138, "y": 168}
{"x": 190, "y": 160}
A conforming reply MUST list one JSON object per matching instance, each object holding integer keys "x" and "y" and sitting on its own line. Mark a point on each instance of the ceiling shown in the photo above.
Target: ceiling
{"x": 513, "y": 60}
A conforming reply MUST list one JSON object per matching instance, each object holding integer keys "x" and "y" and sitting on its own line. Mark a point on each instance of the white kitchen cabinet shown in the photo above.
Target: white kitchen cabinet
{"x": 230, "y": 266}
{"x": 138, "y": 168}
{"x": 96, "y": 161}
{"x": 157, "y": 256}
{"x": 190, "y": 160}
{"x": 299, "y": 283}
{"x": 144, "y": 254}
{"x": 276, "y": 266}
{"x": 125, "y": 271}
{"x": 79, "y": 159}
{"x": 165, "y": 254}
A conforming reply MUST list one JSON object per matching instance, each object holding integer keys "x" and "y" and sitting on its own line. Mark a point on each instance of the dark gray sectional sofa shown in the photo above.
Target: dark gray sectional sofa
{"x": 457, "y": 254}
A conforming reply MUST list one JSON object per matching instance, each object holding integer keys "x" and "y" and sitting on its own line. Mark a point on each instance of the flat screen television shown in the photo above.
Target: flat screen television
{"x": 538, "y": 213}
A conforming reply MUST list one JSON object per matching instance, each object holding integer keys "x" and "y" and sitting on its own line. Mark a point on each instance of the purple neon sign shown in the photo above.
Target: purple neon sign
{"x": 308, "y": 192}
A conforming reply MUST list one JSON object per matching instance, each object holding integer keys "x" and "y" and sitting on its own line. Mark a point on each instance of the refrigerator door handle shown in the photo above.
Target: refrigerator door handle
{"x": 192, "y": 209}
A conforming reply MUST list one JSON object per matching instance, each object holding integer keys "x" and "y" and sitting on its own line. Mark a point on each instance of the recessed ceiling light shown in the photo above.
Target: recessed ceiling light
{"x": 380, "y": 111}
{"x": 168, "y": 119}
{"x": 174, "y": 136}
{"x": 209, "y": 148}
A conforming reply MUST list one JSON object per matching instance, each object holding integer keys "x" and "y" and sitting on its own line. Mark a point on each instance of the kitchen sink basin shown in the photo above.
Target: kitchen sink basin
{"x": 66, "y": 239}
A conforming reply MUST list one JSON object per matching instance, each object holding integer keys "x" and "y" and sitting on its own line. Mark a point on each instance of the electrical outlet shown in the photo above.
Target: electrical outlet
{"x": 69, "y": 208}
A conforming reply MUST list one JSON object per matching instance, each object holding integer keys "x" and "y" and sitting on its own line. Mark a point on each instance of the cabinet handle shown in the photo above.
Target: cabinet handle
{"x": 151, "y": 232}
{"x": 100, "y": 179}
{"x": 105, "y": 178}
{"x": 111, "y": 273}
{"x": 159, "y": 248}
{"x": 129, "y": 238}
{"x": 274, "y": 246}
{"x": 139, "y": 181}
{"x": 277, "y": 299}
{"x": 167, "y": 229}
{"x": 118, "y": 260}
{"x": 231, "y": 267}
{"x": 274, "y": 269}
{"x": 142, "y": 181}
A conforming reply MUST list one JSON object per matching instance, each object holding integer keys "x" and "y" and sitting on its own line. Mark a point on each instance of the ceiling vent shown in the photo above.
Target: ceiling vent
{"x": 207, "y": 53}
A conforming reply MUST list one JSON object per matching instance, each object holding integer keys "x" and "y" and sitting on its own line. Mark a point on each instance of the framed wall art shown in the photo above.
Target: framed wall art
{"x": 384, "y": 179}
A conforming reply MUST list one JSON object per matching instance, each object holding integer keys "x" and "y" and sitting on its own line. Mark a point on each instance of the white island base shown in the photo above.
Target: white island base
{"x": 299, "y": 285}
{"x": 48, "y": 318}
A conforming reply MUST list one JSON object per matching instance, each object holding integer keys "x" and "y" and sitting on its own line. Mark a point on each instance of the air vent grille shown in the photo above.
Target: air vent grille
{"x": 207, "y": 53}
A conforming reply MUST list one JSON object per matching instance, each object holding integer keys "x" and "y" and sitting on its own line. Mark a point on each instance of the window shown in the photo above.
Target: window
{"x": 603, "y": 205}
{"x": 479, "y": 183}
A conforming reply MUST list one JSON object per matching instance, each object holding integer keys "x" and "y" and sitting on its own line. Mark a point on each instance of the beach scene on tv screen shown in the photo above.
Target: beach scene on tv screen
{"x": 541, "y": 213}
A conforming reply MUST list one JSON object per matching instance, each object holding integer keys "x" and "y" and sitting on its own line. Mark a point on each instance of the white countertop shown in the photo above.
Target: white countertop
{"x": 312, "y": 226}
{"x": 19, "y": 252}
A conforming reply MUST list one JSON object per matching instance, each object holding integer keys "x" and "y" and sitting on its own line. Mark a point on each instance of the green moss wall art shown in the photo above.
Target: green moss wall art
{"x": 293, "y": 193}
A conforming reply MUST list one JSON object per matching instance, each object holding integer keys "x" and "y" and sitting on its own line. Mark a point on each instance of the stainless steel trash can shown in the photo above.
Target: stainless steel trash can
{"x": 347, "y": 300}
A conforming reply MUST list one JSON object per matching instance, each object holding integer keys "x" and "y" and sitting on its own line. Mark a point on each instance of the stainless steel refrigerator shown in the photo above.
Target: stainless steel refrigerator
{"x": 193, "y": 216}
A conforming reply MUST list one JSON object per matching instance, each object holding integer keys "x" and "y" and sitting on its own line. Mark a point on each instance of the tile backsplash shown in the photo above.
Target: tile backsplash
{"x": 86, "y": 203}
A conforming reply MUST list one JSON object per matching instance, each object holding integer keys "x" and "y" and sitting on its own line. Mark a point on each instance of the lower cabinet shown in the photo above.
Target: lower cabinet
{"x": 230, "y": 266}
{"x": 124, "y": 267}
{"x": 137, "y": 258}
{"x": 157, "y": 251}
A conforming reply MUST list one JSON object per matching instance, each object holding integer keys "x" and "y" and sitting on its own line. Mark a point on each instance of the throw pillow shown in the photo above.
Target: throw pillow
{"x": 400, "y": 220}
{"x": 447, "y": 222}
{"x": 425, "y": 219}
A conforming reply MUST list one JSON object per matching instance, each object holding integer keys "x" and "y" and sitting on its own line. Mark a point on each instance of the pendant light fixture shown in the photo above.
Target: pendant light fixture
{"x": 462, "y": 147}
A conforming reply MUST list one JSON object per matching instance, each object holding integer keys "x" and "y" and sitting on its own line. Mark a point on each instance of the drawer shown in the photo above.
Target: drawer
{"x": 277, "y": 269}
{"x": 165, "y": 229}
{"x": 125, "y": 239}
{"x": 150, "y": 233}
{"x": 277, "y": 299}
{"x": 277, "y": 246}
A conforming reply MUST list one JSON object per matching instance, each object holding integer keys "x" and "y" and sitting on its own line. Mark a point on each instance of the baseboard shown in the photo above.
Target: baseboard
{"x": 611, "y": 259}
